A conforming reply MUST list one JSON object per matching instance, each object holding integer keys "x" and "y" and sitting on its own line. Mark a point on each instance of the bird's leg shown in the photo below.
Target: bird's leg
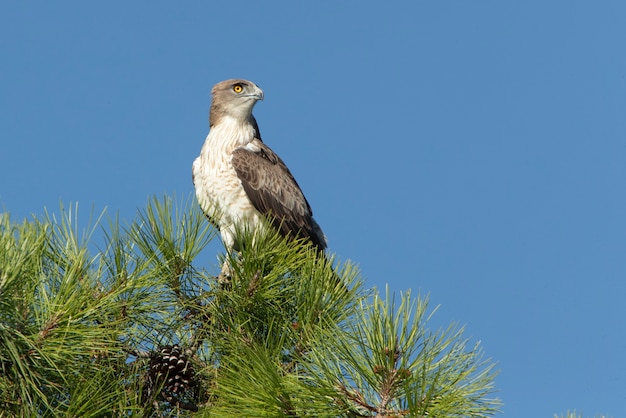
{"x": 225, "y": 276}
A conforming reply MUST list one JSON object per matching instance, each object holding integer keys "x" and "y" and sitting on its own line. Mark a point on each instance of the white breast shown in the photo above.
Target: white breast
{"x": 218, "y": 189}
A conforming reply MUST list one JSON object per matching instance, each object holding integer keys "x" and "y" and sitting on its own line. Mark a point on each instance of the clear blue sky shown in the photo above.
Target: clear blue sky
{"x": 472, "y": 150}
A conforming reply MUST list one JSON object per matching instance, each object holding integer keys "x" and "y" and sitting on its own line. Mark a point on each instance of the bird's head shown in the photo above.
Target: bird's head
{"x": 234, "y": 98}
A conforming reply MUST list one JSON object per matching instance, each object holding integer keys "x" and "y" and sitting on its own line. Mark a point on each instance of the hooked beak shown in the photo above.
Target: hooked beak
{"x": 257, "y": 94}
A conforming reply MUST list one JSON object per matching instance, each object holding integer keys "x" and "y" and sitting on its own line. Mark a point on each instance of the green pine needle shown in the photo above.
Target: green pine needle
{"x": 89, "y": 316}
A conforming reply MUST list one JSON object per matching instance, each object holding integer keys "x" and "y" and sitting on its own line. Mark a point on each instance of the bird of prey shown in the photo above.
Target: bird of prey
{"x": 239, "y": 180}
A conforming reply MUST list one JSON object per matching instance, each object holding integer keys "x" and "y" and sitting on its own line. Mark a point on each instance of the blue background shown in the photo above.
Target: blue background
{"x": 470, "y": 150}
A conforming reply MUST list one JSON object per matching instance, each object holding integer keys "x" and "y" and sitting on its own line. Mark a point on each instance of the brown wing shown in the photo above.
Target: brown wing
{"x": 274, "y": 192}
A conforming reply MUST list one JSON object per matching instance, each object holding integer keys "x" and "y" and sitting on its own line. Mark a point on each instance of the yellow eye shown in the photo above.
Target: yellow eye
{"x": 237, "y": 88}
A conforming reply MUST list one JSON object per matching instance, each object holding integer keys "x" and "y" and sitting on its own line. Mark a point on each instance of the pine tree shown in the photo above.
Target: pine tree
{"x": 137, "y": 327}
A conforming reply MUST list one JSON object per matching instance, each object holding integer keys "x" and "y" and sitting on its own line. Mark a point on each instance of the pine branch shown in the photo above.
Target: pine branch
{"x": 388, "y": 364}
{"x": 139, "y": 329}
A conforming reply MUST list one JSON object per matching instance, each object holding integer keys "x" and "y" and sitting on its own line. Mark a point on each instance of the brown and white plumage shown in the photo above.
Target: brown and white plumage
{"x": 239, "y": 179}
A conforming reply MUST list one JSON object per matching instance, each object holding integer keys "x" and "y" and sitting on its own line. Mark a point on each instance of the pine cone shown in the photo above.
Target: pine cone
{"x": 170, "y": 369}
{"x": 171, "y": 366}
